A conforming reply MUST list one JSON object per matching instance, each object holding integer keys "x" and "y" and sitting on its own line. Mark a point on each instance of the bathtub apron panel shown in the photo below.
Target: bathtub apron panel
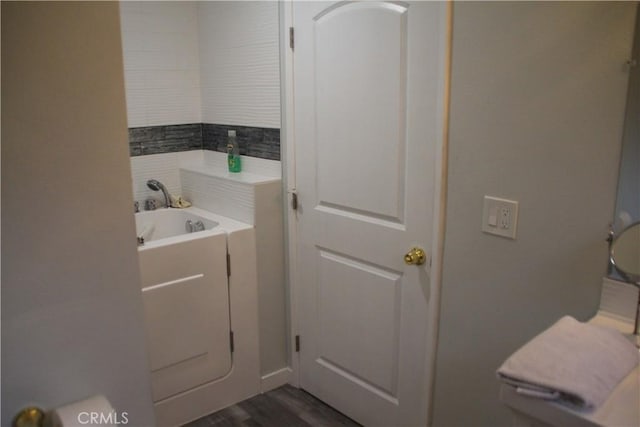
{"x": 186, "y": 304}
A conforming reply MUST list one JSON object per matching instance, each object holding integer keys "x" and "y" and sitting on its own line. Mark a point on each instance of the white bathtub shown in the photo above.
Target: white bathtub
{"x": 152, "y": 226}
{"x": 185, "y": 288}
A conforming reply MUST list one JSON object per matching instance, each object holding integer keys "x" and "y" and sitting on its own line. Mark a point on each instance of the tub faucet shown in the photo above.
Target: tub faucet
{"x": 156, "y": 185}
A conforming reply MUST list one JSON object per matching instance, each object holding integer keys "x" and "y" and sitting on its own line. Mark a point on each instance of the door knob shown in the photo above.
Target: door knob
{"x": 29, "y": 417}
{"x": 415, "y": 256}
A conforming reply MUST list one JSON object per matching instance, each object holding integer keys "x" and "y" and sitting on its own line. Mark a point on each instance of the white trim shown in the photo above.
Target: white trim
{"x": 172, "y": 282}
{"x": 275, "y": 379}
{"x": 439, "y": 209}
{"x": 287, "y": 150}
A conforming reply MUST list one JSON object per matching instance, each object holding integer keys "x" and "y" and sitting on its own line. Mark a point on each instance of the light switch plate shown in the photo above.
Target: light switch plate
{"x": 500, "y": 217}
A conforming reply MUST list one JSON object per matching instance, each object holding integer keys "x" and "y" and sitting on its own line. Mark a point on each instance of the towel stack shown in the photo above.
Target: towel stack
{"x": 571, "y": 362}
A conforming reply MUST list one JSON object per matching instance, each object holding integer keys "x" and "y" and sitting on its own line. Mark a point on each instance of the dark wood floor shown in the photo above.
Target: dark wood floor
{"x": 286, "y": 406}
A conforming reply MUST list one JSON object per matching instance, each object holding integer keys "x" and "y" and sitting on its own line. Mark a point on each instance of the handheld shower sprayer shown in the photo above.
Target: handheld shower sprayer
{"x": 156, "y": 185}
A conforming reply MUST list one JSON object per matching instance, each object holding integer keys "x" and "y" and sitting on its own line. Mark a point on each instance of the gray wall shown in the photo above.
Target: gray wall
{"x": 628, "y": 197}
{"x": 72, "y": 320}
{"x": 537, "y": 106}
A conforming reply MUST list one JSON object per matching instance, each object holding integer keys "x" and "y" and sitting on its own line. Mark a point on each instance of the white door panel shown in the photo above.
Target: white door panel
{"x": 367, "y": 83}
{"x": 360, "y": 92}
{"x": 356, "y": 335}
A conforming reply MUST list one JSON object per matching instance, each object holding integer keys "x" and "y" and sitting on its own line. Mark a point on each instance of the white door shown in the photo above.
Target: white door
{"x": 368, "y": 79}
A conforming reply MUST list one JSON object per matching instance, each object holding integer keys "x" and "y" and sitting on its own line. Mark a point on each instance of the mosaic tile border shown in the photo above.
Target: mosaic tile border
{"x": 258, "y": 142}
{"x": 165, "y": 139}
{"x": 252, "y": 141}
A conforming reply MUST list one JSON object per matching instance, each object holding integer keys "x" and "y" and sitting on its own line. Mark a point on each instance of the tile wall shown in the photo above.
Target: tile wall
{"x": 161, "y": 62}
{"x": 191, "y": 66}
{"x": 258, "y": 142}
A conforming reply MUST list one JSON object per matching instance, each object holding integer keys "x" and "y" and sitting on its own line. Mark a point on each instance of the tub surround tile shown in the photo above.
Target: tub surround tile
{"x": 257, "y": 142}
{"x": 228, "y": 198}
{"x": 201, "y": 176}
{"x": 163, "y": 167}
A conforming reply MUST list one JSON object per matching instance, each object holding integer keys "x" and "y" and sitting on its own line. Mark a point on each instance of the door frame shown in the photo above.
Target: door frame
{"x": 288, "y": 151}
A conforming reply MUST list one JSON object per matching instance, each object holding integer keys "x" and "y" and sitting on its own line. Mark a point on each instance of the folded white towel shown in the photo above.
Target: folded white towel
{"x": 179, "y": 202}
{"x": 573, "y": 362}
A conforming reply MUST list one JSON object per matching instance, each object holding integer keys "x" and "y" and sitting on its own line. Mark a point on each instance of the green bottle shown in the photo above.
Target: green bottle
{"x": 233, "y": 153}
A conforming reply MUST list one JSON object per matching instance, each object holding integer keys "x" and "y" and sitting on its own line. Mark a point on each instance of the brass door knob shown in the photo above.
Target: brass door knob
{"x": 415, "y": 256}
{"x": 29, "y": 417}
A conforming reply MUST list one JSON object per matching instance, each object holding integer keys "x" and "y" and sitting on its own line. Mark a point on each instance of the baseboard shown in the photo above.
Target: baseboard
{"x": 275, "y": 379}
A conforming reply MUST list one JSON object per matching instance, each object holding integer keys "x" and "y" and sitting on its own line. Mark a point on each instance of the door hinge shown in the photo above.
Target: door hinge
{"x": 291, "y": 38}
{"x": 228, "y": 265}
{"x": 294, "y": 200}
{"x": 297, "y": 343}
{"x": 231, "y": 344}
